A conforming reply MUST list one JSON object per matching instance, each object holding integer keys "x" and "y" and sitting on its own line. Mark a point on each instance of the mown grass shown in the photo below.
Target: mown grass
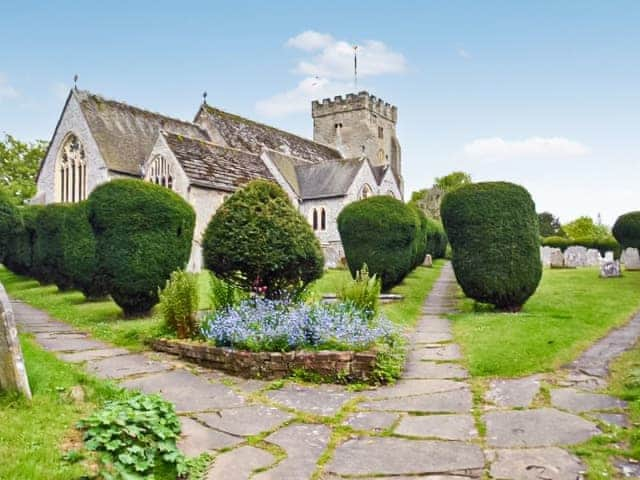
{"x": 569, "y": 311}
{"x": 33, "y": 434}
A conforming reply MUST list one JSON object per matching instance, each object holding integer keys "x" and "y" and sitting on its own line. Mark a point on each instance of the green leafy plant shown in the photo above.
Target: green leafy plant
{"x": 19, "y": 257}
{"x": 627, "y": 230}
{"x": 134, "y": 436}
{"x": 363, "y": 292}
{"x": 179, "y": 303}
{"x": 10, "y": 222}
{"x": 390, "y": 359}
{"x": 223, "y": 295}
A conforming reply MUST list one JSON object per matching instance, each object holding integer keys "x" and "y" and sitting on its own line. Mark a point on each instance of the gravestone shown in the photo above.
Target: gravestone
{"x": 556, "y": 258}
{"x": 631, "y": 259}
{"x": 575, "y": 256}
{"x": 593, "y": 258}
{"x": 610, "y": 269}
{"x": 13, "y": 375}
{"x": 428, "y": 261}
{"x": 608, "y": 256}
{"x": 545, "y": 256}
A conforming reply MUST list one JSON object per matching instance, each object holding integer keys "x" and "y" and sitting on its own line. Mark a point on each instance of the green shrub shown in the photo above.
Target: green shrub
{"x": 557, "y": 242}
{"x": 10, "y": 223}
{"x": 258, "y": 240}
{"x": 493, "y": 231}
{"x": 19, "y": 257}
{"x": 78, "y": 260}
{"x": 134, "y": 437}
{"x": 143, "y": 233}
{"x": 223, "y": 295}
{"x": 436, "y": 239}
{"x": 381, "y": 232}
{"x": 179, "y": 304}
{"x": 420, "y": 241}
{"x": 363, "y": 292}
{"x": 626, "y": 230}
{"x": 602, "y": 244}
{"x": 48, "y": 246}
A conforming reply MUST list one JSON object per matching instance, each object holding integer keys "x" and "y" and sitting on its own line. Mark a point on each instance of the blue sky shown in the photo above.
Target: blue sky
{"x": 543, "y": 93}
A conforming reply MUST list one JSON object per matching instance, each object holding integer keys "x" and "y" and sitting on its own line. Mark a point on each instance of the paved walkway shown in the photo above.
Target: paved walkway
{"x": 425, "y": 426}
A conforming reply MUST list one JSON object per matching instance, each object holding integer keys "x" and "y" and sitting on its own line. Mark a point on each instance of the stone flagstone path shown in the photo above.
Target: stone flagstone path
{"x": 424, "y": 426}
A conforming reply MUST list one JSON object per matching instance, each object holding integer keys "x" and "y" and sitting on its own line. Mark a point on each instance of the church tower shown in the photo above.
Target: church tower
{"x": 359, "y": 125}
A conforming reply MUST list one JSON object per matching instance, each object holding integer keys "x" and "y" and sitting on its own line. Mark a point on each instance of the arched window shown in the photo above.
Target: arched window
{"x": 160, "y": 172}
{"x": 71, "y": 172}
{"x": 366, "y": 191}
{"x": 315, "y": 219}
{"x": 323, "y": 219}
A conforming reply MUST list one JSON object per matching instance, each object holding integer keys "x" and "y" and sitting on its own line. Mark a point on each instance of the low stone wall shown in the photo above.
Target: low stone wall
{"x": 357, "y": 366}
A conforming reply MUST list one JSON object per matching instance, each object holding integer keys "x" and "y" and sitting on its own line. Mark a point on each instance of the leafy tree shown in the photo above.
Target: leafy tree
{"x": 452, "y": 181}
{"x": 585, "y": 227}
{"x": 19, "y": 162}
{"x": 550, "y": 225}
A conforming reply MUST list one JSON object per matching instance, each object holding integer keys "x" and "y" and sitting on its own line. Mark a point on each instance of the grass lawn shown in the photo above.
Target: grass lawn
{"x": 32, "y": 435}
{"x": 570, "y": 310}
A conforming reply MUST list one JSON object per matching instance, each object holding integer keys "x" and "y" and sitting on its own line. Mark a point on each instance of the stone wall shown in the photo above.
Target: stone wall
{"x": 358, "y": 366}
{"x": 13, "y": 375}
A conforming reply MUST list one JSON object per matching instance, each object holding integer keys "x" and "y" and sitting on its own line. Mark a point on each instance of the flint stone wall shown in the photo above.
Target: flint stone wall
{"x": 272, "y": 365}
{"x": 13, "y": 374}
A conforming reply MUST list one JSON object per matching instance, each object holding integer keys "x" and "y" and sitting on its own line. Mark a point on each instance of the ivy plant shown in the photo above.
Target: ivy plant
{"x": 134, "y": 436}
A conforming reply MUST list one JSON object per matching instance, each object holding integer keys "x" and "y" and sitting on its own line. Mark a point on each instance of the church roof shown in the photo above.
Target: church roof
{"x": 327, "y": 179}
{"x": 244, "y": 134}
{"x": 125, "y": 134}
{"x": 212, "y": 166}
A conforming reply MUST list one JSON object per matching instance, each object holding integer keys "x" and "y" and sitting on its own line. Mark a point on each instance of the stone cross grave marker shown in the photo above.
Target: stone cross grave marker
{"x": 13, "y": 374}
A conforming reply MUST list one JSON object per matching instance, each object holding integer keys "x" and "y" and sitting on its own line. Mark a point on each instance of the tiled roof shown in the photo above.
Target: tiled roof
{"x": 327, "y": 179}
{"x": 212, "y": 166}
{"x": 125, "y": 134}
{"x": 244, "y": 134}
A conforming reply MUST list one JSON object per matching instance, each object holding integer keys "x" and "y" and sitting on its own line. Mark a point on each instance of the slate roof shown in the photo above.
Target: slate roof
{"x": 244, "y": 134}
{"x": 327, "y": 179}
{"x": 125, "y": 134}
{"x": 212, "y": 166}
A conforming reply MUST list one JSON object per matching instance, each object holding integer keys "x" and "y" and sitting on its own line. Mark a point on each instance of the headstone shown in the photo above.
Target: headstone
{"x": 608, "y": 256}
{"x": 631, "y": 259}
{"x": 593, "y": 258}
{"x": 545, "y": 256}
{"x": 575, "y": 256}
{"x": 610, "y": 269}
{"x": 13, "y": 374}
{"x": 428, "y": 261}
{"x": 556, "y": 259}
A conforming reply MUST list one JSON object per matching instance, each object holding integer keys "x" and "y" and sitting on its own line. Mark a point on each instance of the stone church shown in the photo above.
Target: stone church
{"x": 354, "y": 154}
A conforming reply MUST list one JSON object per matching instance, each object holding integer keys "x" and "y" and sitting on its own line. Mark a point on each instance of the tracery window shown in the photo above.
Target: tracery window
{"x": 160, "y": 172}
{"x": 366, "y": 191}
{"x": 71, "y": 171}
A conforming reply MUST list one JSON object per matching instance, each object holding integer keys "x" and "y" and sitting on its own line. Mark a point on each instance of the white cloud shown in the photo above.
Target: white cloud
{"x": 539, "y": 147}
{"x": 327, "y": 69}
{"x": 7, "y": 92}
{"x": 310, "y": 41}
{"x": 463, "y": 53}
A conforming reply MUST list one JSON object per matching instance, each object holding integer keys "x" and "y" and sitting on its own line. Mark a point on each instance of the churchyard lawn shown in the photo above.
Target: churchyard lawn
{"x": 568, "y": 312}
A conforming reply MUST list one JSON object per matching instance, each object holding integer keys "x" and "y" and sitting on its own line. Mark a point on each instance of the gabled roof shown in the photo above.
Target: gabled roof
{"x": 125, "y": 134}
{"x": 327, "y": 179}
{"x": 244, "y": 134}
{"x": 212, "y": 166}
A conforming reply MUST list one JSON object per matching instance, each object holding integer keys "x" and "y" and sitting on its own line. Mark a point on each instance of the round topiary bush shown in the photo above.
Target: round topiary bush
{"x": 143, "y": 233}
{"x": 626, "y": 230}
{"x": 258, "y": 240}
{"x": 493, "y": 231}
{"x": 19, "y": 256}
{"x": 47, "y": 248}
{"x": 78, "y": 256}
{"x": 380, "y": 232}
{"x": 10, "y": 223}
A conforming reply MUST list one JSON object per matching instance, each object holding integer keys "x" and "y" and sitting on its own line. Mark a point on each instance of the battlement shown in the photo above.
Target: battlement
{"x": 351, "y": 101}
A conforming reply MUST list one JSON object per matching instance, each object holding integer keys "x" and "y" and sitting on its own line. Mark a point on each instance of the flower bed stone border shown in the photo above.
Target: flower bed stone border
{"x": 356, "y": 366}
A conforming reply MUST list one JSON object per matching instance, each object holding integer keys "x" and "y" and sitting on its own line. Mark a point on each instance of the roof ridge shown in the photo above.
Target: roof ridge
{"x": 270, "y": 127}
{"x": 102, "y": 98}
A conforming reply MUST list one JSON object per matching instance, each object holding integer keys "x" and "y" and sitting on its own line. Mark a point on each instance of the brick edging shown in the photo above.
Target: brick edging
{"x": 271, "y": 365}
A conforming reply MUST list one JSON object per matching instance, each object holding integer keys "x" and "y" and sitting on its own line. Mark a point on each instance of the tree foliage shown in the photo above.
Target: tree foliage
{"x": 550, "y": 225}
{"x": 19, "y": 163}
{"x": 258, "y": 240}
{"x": 585, "y": 227}
{"x": 453, "y": 181}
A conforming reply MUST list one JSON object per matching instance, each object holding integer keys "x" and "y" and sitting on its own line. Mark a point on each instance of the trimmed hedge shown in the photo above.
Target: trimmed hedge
{"x": 493, "y": 231}
{"x": 143, "y": 233}
{"x": 626, "y": 230}
{"x": 436, "y": 239}
{"x": 381, "y": 232}
{"x": 78, "y": 253}
{"x": 420, "y": 242}
{"x": 19, "y": 257}
{"x": 602, "y": 244}
{"x": 47, "y": 264}
{"x": 258, "y": 241}
{"x": 10, "y": 223}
